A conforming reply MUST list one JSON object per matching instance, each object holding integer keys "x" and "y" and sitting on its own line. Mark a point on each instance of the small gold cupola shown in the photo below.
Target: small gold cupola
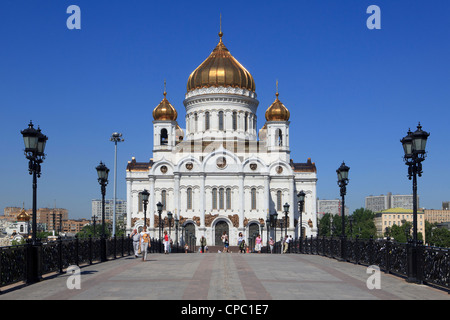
{"x": 277, "y": 111}
{"x": 164, "y": 111}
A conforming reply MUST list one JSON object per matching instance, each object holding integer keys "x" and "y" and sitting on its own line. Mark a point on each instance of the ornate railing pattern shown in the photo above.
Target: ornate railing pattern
{"x": 28, "y": 262}
{"x": 433, "y": 264}
{"x": 24, "y": 262}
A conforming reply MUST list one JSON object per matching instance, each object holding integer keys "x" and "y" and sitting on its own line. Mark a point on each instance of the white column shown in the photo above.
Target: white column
{"x": 267, "y": 194}
{"x": 241, "y": 201}
{"x": 129, "y": 205}
{"x": 292, "y": 203}
{"x": 151, "y": 204}
{"x": 176, "y": 194}
{"x": 202, "y": 201}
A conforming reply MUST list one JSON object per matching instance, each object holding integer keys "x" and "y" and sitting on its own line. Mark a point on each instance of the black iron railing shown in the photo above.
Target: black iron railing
{"x": 28, "y": 262}
{"x": 432, "y": 264}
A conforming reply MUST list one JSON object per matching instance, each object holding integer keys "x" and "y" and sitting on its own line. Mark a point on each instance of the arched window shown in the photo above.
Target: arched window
{"x": 221, "y": 120}
{"x": 253, "y": 200}
{"x": 228, "y": 198}
{"x": 221, "y": 199}
{"x": 140, "y": 204}
{"x": 189, "y": 199}
{"x": 206, "y": 120}
{"x": 279, "y": 138}
{"x": 164, "y": 198}
{"x": 279, "y": 201}
{"x": 246, "y": 122}
{"x": 214, "y": 199}
{"x": 195, "y": 122}
{"x": 235, "y": 121}
{"x": 164, "y": 137}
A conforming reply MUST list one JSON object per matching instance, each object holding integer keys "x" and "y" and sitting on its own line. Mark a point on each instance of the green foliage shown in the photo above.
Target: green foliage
{"x": 88, "y": 230}
{"x": 437, "y": 237}
{"x": 363, "y": 224}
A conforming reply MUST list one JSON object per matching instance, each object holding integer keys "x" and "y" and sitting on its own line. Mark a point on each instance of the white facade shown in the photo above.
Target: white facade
{"x": 220, "y": 177}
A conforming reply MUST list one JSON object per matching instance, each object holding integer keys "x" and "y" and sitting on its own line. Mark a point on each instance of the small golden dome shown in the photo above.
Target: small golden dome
{"x": 23, "y": 216}
{"x": 220, "y": 69}
{"x": 277, "y": 111}
{"x": 165, "y": 111}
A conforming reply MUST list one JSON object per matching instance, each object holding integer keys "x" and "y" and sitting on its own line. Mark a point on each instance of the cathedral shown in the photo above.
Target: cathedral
{"x": 221, "y": 174}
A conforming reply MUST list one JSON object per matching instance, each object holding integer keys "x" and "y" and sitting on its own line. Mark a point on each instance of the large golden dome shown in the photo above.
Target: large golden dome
{"x": 220, "y": 69}
{"x": 165, "y": 111}
{"x": 277, "y": 111}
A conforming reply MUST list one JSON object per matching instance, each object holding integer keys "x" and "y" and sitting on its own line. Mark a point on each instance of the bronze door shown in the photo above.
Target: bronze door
{"x": 221, "y": 226}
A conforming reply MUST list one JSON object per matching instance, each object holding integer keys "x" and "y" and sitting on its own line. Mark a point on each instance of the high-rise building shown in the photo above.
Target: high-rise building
{"x": 388, "y": 201}
{"x": 121, "y": 208}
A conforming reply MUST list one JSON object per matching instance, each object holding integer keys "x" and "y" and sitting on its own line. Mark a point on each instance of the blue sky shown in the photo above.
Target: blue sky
{"x": 352, "y": 92}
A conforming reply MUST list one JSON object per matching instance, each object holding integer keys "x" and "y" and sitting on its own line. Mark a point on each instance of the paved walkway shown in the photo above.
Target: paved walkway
{"x": 214, "y": 276}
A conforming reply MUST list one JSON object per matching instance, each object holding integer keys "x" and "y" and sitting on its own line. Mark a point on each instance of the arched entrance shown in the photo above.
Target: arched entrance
{"x": 220, "y": 227}
{"x": 253, "y": 229}
{"x": 189, "y": 229}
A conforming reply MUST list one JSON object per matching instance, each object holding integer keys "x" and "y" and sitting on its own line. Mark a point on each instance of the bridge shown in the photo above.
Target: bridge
{"x": 209, "y": 276}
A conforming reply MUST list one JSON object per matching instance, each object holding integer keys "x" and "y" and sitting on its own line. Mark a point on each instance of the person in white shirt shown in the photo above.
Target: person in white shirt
{"x": 136, "y": 237}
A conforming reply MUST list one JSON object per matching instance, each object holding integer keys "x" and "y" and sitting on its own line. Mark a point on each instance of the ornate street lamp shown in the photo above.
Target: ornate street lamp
{"x": 286, "y": 212}
{"x": 159, "y": 207}
{"x": 268, "y": 232}
{"x": 115, "y": 137}
{"x": 169, "y": 220}
{"x": 414, "y": 148}
{"x": 342, "y": 174}
{"x": 274, "y": 217}
{"x": 145, "y": 194}
{"x": 177, "y": 222}
{"x": 34, "y": 142}
{"x": 102, "y": 172}
{"x": 301, "y": 203}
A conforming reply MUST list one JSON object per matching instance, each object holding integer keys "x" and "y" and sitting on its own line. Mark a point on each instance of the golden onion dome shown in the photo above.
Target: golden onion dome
{"x": 220, "y": 69}
{"x": 23, "y": 216}
{"x": 277, "y": 111}
{"x": 165, "y": 111}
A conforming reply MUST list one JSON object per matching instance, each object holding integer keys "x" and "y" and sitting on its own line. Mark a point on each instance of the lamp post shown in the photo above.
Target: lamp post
{"x": 301, "y": 202}
{"x": 414, "y": 148}
{"x": 169, "y": 219}
{"x": 102, "y": 172}
{"x": 34, "y": 142}
{"x": 115, "y": 137}
{"x": 286, "y": 212}
{"x": 274, "y": 216}
{"x": 159, "y": 207}
{"x": 145, "y": 194}
{"x": 268, "y": 232}
{"x": 177, "y": 222}
{"x": 342, "y": 174}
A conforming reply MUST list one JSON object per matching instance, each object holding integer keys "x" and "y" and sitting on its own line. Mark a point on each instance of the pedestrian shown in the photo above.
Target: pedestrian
{"x": 285, "y": 244}
{"x": 258, "y": 244}
{"x": 240, "y": 238}
{"x": 271, "y": 243}
{"x": 136, "y": 237}
{"x": 291, "y": 243}
{"x": 225, "y": 241}
{"x": 145, "y": 243}
{"x": 166, "y": 243}
{"x": 203, "y": 243}
{"x": 242, "y": 246}
{"x": 186, "y": 248}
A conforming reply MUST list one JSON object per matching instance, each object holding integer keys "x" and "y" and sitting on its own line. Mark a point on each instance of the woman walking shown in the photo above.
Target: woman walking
{"x": 166, "y": 243}
{"x": 258, "y": 244}
{"x": 145, "y": 243}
